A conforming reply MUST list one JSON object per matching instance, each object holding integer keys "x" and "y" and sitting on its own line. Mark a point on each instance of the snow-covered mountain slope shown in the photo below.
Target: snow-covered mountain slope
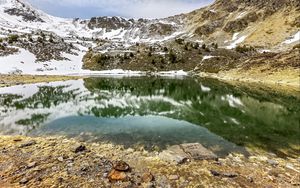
{"x": 19, "y": 16}
{"x": 266, "y": 23}
{"x": 52, "y": 45}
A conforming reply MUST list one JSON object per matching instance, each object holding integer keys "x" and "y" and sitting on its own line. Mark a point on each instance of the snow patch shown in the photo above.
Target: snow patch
{"x": 207, "y": 57}
{"x": 236, "y": 41}
{"x": 295, "y": 38}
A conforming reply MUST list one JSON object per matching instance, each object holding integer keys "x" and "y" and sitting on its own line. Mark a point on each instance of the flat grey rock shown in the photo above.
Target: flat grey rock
{"x": 181, "y": 153}
{"x": 174, "y": 154}
{"x": 198, "y": 152}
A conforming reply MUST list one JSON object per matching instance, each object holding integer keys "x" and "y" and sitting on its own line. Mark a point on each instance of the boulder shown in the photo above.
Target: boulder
{"x": 174, "y": 154}
{"x": 198, "y": 152}
{"x": 181, "y": 153}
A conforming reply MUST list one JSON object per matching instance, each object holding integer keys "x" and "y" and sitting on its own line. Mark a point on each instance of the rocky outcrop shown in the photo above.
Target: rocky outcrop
{"x": 25, "y": 14}
{"x": 161, "y": 29}
{"x": 240, "y": 24}
{"x": 109, "y": 23}
{"x": 209, "y": 27}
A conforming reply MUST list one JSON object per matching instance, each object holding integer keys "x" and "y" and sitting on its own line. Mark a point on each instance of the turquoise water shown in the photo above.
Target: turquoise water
{"x": 155, "y": 112}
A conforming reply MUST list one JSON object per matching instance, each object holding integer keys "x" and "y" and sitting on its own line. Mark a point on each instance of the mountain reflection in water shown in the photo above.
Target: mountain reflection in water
{"x": 154, "y": 111}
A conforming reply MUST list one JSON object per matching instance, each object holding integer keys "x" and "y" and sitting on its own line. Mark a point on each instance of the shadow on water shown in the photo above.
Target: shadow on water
{"x": 157, "y": 111}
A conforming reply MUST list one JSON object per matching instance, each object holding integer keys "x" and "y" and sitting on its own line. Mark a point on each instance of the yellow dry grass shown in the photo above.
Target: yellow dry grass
{"x": 272, "y": 31}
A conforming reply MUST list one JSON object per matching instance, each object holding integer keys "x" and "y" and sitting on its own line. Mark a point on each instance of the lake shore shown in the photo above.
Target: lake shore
{"x": 288, "y": 81}
{"x": 285, "y": 80}
{"x": 62, "y": 162}
{"x": 15, "y": 79}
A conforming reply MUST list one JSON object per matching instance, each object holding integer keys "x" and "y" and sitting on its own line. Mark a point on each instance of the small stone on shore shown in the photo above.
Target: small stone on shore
{"x": 223, "y": 174}
{"x": 27, "y": 144}
{"x": 121, "y": 166}
{"x": 80, "y": 148}
{"x": 24, "y": 181}
{"x": 173, "y": 177}
{"x": 61, "y": 159}
{"x": 31, "y": 165}
{"x": 115, "y": 175}
{"x": 147, "y": 177}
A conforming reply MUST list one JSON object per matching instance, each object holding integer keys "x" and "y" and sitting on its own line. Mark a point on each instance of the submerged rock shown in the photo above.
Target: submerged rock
{"x": 184, "y": 152}
{"x": 174, "y": 154}
{"x": 198, "y": 152}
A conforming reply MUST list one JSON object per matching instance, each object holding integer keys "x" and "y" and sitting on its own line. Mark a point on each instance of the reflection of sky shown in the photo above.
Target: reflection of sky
{"x": 83, "y": 103}
{"x": 124, "y": 8}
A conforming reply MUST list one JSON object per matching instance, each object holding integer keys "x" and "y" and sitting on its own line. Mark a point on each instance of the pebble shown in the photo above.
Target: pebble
{"x": 272, "y": 162}
{"x": 115, "y": 175}
{"x": 31, "y": 165}
{"x": 79, "y": 149}
{"x": 147, "y": 177}
{"x": 223, "y": 174}
{"x": 17, "y": 140}
{"x": 27, "y": 144}
{"x": 173, "y": 177}
{"x": 61, "y": 159}
{"x": 121, "y": 166}
{"x": 24, "y": 181}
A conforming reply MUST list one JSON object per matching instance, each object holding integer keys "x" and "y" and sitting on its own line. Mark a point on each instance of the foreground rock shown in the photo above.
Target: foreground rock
{"x": 186, "y": 152}
{"x": 107, "y": 165}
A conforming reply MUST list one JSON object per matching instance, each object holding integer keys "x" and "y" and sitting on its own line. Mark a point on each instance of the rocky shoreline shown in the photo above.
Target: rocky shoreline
{"x": 16, "y": 79}
{"x": 284, "y": 82}
{"x": 61, "y": 162}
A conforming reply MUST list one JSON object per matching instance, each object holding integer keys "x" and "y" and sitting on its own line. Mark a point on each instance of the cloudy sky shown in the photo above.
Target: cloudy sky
{"x": 125, "y": 8}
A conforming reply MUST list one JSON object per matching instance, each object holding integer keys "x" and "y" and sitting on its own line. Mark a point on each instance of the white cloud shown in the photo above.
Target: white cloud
{"x": 129, "y": 8}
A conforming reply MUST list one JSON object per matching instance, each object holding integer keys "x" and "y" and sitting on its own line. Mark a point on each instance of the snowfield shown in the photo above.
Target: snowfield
{"x": 24, "y": 62}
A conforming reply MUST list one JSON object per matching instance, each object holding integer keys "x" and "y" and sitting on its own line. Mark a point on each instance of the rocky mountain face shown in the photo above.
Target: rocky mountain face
{"x": 253, "y": 22}
{"x": 23, "y": 10}
{"x": 17, "y": 15}
{"x": 261, "y": 23}
{"x": 197, "y": 40}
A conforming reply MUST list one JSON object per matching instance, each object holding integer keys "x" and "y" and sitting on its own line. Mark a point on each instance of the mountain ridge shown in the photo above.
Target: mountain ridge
{"x": 57, "y": 45}
{"x": 216, "y": 22}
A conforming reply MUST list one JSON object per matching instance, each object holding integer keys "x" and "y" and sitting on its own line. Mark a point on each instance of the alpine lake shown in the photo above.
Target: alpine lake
{"x": 155, "y": 112}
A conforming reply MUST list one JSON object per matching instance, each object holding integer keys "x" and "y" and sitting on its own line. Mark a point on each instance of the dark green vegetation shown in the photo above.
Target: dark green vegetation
{"x": 256, "y": 118}
{"x": 173, "y": 55}
{"x": 181, "y": 54}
